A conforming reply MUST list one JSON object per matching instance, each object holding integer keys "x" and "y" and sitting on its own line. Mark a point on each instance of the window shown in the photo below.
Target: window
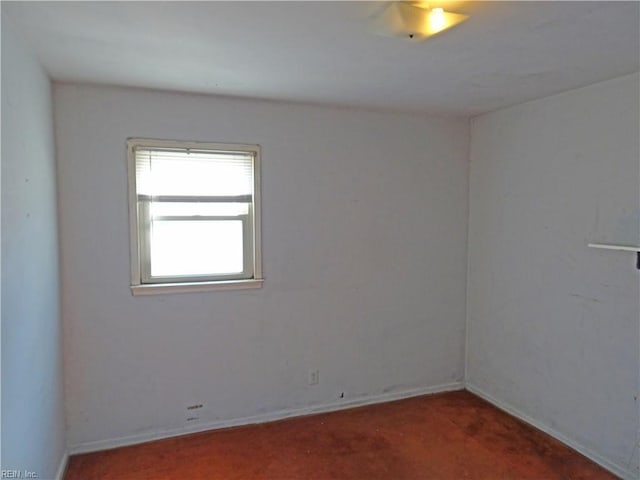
{"x": 195, "y": 216}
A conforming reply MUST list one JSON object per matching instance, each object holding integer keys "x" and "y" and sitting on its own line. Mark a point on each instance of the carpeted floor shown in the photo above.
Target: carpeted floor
{"x": 444, "y": 436}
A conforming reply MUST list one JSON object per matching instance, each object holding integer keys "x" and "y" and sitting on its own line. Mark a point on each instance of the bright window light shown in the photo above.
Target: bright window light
{"x": 186, "y": 248}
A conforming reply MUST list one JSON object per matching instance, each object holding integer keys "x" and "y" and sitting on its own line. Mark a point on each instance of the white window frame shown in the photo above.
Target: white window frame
{"x": 141, "y": 282}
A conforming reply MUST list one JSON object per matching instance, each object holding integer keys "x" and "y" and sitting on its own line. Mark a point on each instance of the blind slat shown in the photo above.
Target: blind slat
{"x": 196, "y": 198}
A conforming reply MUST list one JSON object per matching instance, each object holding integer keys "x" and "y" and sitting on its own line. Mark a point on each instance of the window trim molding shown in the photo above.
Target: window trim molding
{"x": 190, "y": 287}
{"x": 139, "y": 288}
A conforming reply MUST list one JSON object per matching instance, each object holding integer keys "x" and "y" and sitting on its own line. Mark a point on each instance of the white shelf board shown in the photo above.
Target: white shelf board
{"x": 611, "y": 246}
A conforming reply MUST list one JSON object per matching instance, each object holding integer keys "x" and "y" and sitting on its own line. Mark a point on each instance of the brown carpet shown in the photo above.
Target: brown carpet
{"x": 445, "y": 436}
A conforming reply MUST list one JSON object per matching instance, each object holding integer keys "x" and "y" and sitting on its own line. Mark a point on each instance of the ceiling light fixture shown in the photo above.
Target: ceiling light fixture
{"x": 414, "y": 20}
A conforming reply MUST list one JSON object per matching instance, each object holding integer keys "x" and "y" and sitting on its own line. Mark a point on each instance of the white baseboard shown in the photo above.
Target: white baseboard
{"x": 618, "y": 470}
{"x": 98, "y": 445}
{"x": 62, "y": 467}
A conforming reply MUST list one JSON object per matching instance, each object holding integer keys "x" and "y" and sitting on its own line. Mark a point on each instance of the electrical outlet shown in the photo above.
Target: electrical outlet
{"x": 314, "y": 377}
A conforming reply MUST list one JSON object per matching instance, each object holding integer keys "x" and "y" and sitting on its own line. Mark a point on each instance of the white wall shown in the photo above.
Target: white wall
{"x": 33, "y": 431}
{"x": 364, "y": 241}
{"x": 553, "y": 325}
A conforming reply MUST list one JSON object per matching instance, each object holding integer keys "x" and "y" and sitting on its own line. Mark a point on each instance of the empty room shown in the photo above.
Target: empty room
{"x": 320, "y": 240}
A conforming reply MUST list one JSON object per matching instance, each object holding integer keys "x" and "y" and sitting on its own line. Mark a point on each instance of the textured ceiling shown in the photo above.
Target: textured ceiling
{"x": 324, "y": 52}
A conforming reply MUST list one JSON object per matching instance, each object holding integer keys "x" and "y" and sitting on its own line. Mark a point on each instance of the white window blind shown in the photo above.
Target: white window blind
{"x": 210, "y": 176}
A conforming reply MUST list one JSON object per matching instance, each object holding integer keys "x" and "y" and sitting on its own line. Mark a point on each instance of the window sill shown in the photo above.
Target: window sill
{"x": 164, "y": 288}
